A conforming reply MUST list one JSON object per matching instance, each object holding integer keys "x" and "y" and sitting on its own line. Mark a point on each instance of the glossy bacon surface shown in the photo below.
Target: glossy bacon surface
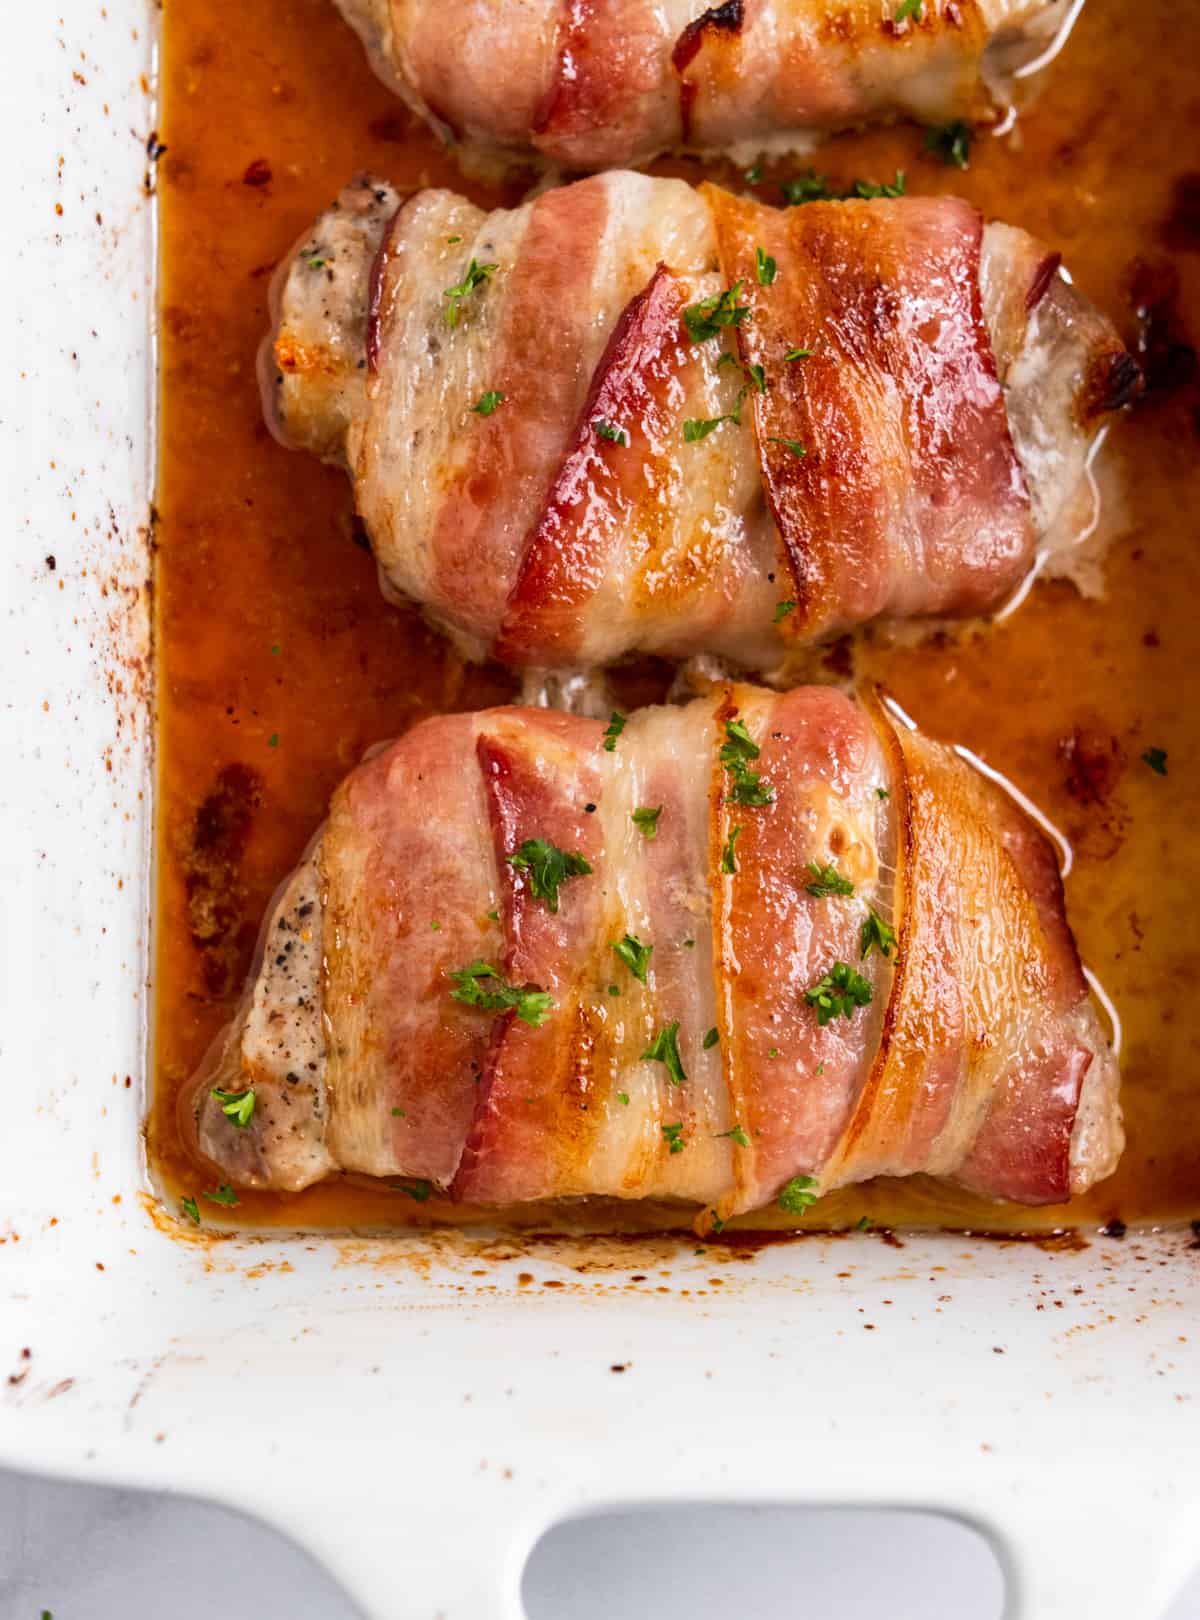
{"x": 643, "y": 484}
{"x": 971, "y": 1052}
{"x": 591, "y": 84}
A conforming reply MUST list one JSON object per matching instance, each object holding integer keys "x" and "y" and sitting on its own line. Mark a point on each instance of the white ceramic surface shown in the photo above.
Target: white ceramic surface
{"x": 408, "y": 1410}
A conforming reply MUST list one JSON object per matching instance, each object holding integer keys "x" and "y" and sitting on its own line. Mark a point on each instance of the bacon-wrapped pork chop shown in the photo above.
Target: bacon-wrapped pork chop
{"x": 633, "y": 416}
{"x": 592, "y": 84}
{"x": 752, "y": 948}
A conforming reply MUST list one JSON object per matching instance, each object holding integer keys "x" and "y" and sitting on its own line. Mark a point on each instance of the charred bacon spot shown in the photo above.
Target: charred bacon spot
{"x": 724, "y": 19}
{"x": 1042, "y": 277}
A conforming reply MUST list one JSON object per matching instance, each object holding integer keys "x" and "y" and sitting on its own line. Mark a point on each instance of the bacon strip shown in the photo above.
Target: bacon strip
{"x": 905, "y": 494}
{"x": 968, "y": 1049}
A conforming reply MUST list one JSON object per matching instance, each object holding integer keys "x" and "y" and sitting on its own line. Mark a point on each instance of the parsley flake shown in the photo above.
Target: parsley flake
{"x": 548, "y": 867}
{"x": 532, "y": 1006}
{"x": 782, "y": 609}
{"x": 616, "y": 725}
{"x": 952, "y": 143}
{"x": 766, "y": 266}
{"x": 737, "y": 1134}
{"x": 697, "y": 428}
{"x": 753, "y": 175}
{"x": 419, "y": 1191}
{"x": 907, "y": 9}
{"x": 807, "y": 187}
{"x": 224, "y": 1194}
{"x": 728, "y": 860}
{"x": 487, "y": 403}
{"x": 646, "y": 820}
{"x": 664, "y": 1048}
{"x": 711, "y": 1038}
{"x": 606, "y": 430}
{"x": 875, "y": 935}
{"x": 792, "y": 445}
{"x": 827, "y": 881}
{"x": 747, "y": 786}
{"x": 796, "y": 1195}
{"x": 863, "y": 1224}
{"x": 623, "y": 1098}
{"x": 882, "y": 793}
{"x": 840, "y": 991}
{"x": 706, "y": 319}
{"x": 476, "y": 274}
{"x": 635, "y": 956}
{"x": 869, "y": 190}
{"x": 191, "y": 1209}
{"x": 1156, "y": 758}
{"x": 758, "y": 377}
{"x": 674, "y": 1136}
{"x": 798, "y": 354}
{"x": 236, "y": 1105}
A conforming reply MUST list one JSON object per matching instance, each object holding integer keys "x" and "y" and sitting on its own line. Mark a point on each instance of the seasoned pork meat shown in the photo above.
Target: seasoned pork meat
{"x": 696, "y": 955}
{"x": 592, "y": 84}
{"x": 633, "y": 416}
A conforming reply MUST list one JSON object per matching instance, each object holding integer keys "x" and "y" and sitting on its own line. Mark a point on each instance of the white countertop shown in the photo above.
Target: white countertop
{"x": 85, "y": 1553}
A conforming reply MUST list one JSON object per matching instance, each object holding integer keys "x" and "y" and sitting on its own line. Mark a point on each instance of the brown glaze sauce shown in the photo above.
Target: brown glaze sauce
{"x": 279, "y": 662}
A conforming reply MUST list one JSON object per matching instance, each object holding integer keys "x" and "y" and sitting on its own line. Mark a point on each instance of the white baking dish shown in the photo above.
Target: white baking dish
{"x": 409, "y": 1409}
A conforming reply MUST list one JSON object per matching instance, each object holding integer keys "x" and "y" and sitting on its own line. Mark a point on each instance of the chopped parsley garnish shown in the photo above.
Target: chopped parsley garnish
{"x": 882, "y": 793}
{"x": 314, "y": 261}
{"x": 706, "y": 319}
{"x": 728, "y": 860}
{"x": 758, "y": 377}
{"x": 711, "y": 1038}
{"x": 616, "y": 725}
{"x": 747, "y": 786}
{"x": 399, "y": 1113}
{"x": 493, "y": 916}
{"x": 767, "y": 268}
{"x": 875, "y": 935}
{"x": 450, "y": 240}
{"x": 772, "y": 1051}
{"x": 191, "y": 1209}
{"x": 737, "y": 1134}
{"x": 419, "y": 1191}
{"x": 635, "y": 956}
{"x": 548, "y": 867}
{"x": 645, "y": 820}
{"x": 664, "y": 1048}
{"x": 606, "y": 430}
{"x": 840, "y": 991}
{"x": 908, "y": 8}
{"x": 753, "y": 175}
{"x": 952, "y": 143}
{"x": 863, "y": 1224}
{"x": 697, "y": 428}
{"x": 807, "y": 187}
{"x": 486, "y": 403}
{"x": 236, "y": 1105}
{"x": 224, "y": 1194}
{"x": 674, "y": 1136}
{"x": 792, "y": 445}
{"x": 827, "y": 881}
{"x": 798, "y": 354}
{"x": 796, "y": 1195}
{"x": 273, "y": 740}
{"x": 614, "y": 989}
{"x": 782, "y": 609}
{"x": 869, "y": 190}
{"x": 1156, "y": 758}
{"x": 476, "y": 274}
{"x": 532, "y": 1006}
{"x": 623, "y": 1098}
